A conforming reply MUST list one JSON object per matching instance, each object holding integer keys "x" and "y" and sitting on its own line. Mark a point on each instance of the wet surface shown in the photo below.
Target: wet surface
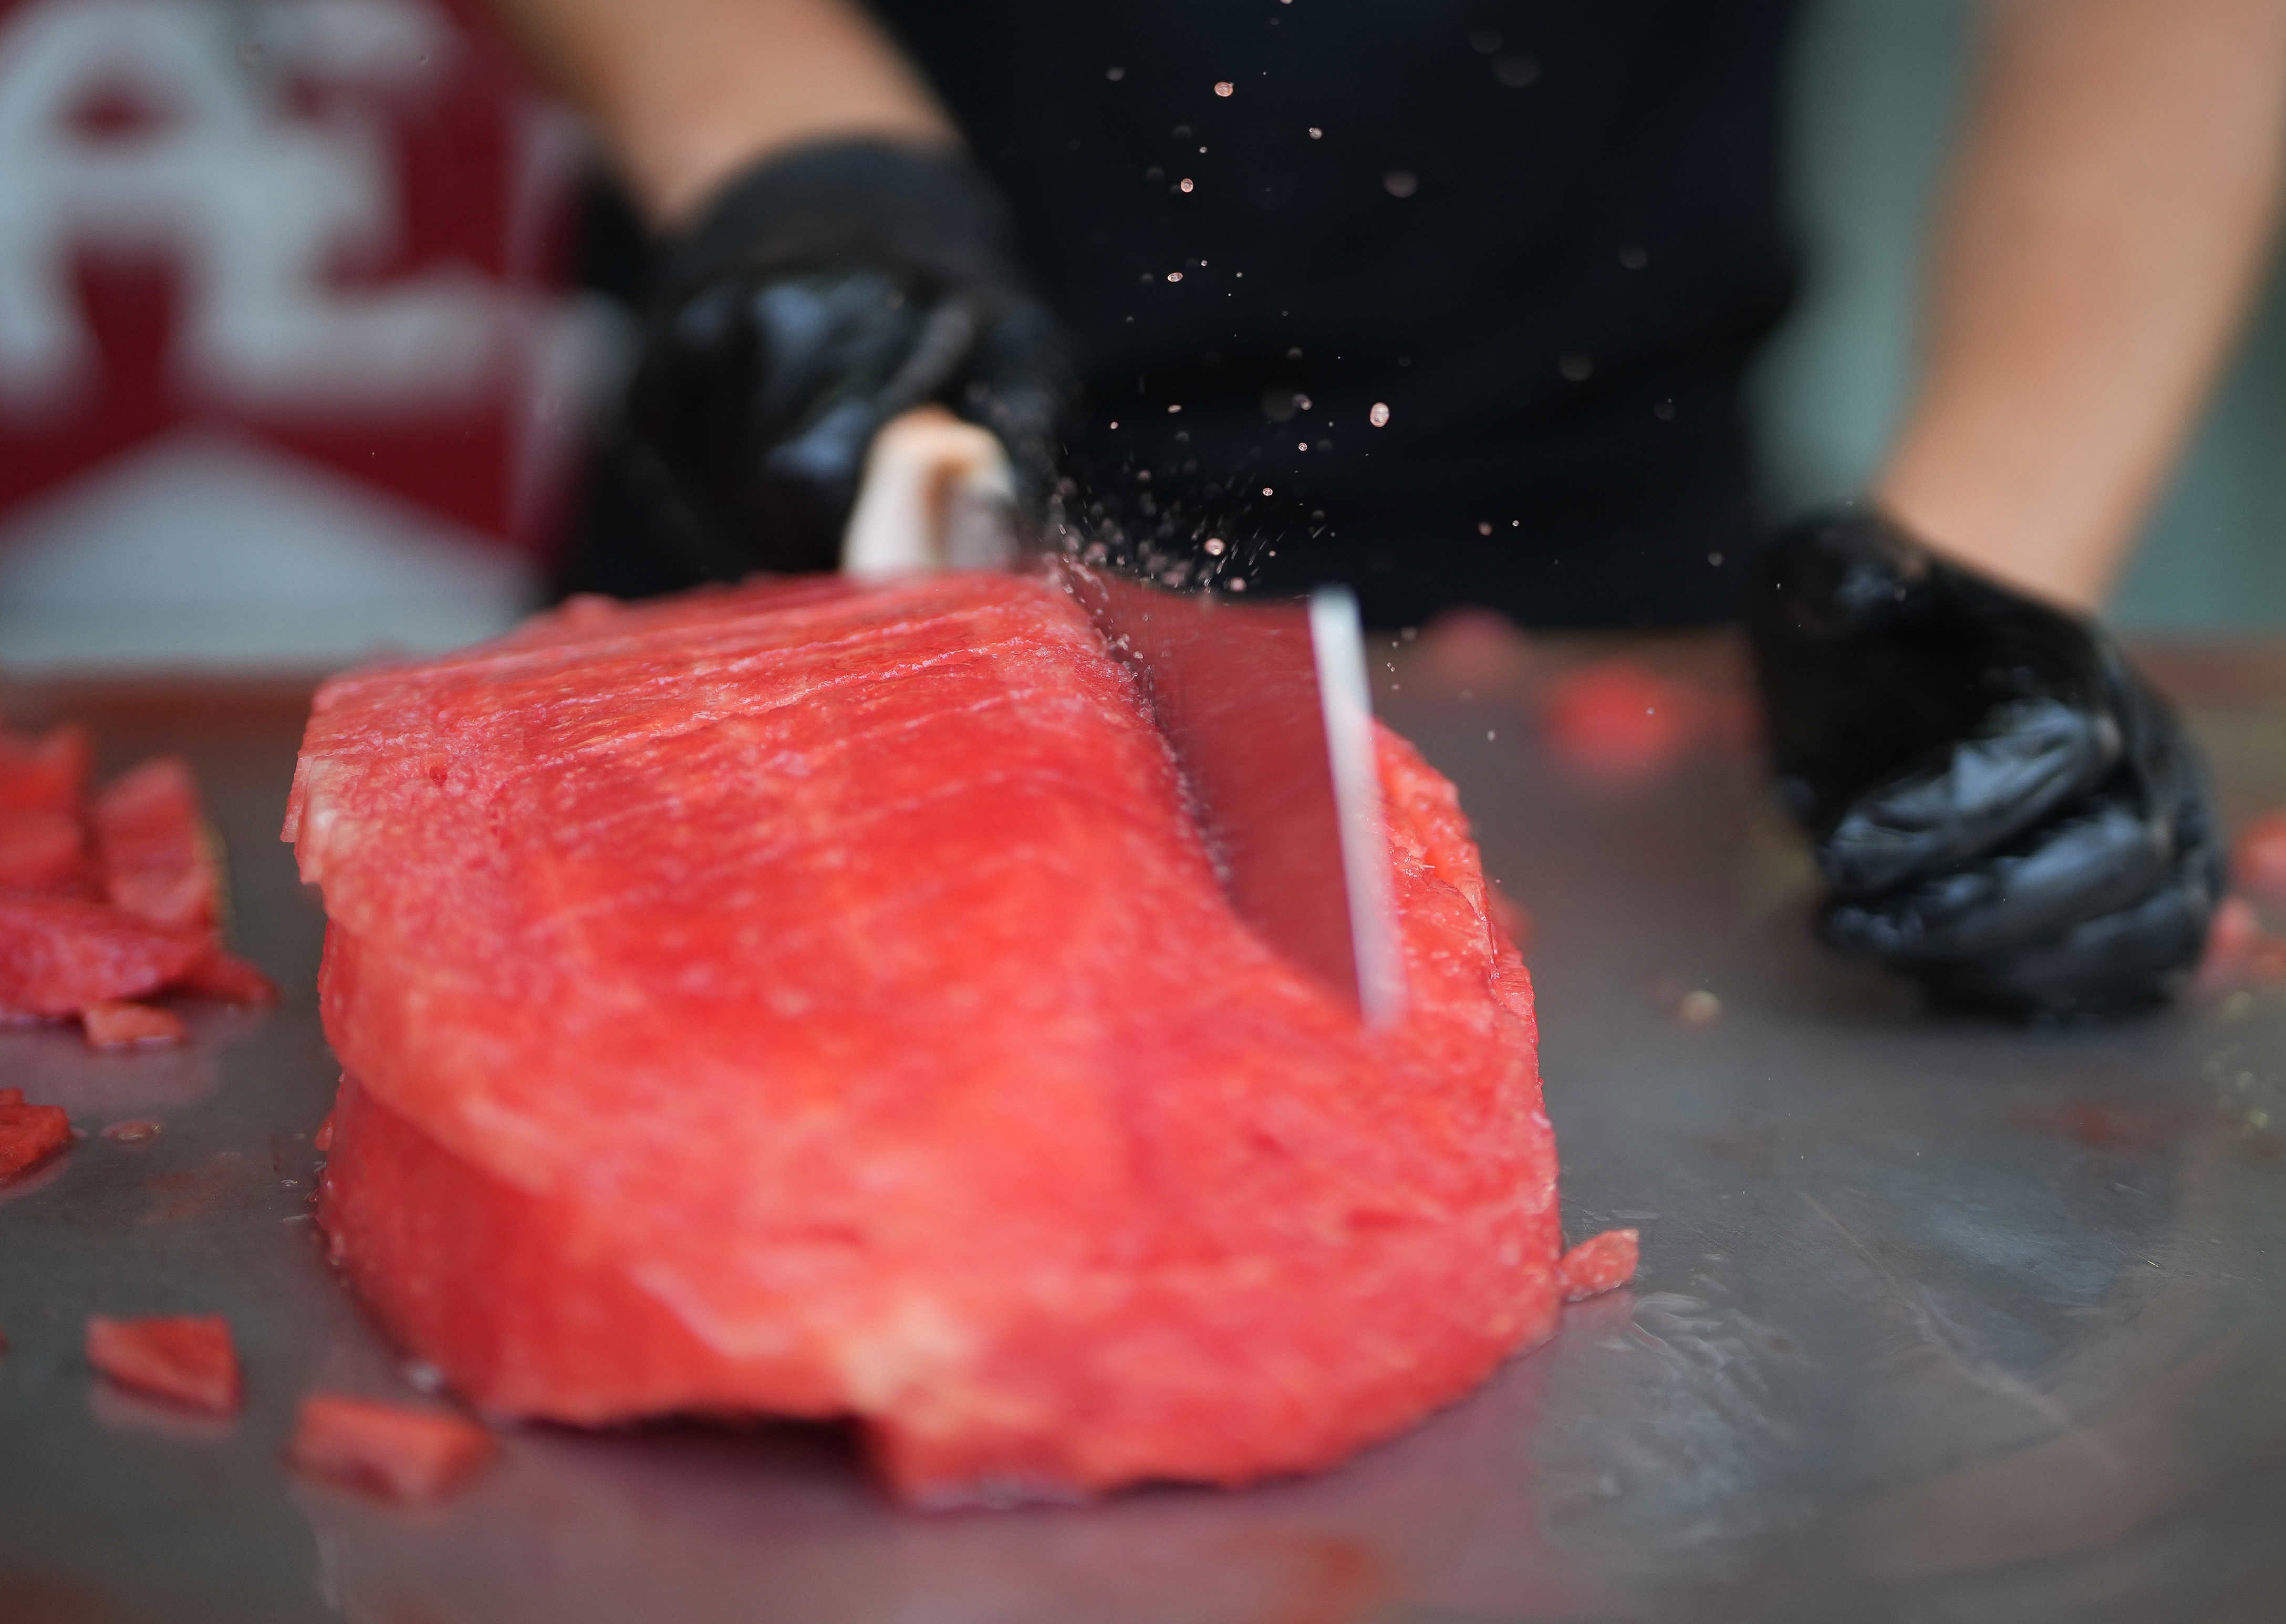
{"x": 1938, "y": 1320}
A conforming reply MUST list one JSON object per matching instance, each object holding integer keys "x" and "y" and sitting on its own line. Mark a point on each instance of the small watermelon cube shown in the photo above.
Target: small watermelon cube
{"x": 187, "y": 1359}
{"x": 120, "y": 1025}
{"x": 1599, "y": 1264}
{"x": 414, "y": 1457}
{"x": 30, "y": 1134}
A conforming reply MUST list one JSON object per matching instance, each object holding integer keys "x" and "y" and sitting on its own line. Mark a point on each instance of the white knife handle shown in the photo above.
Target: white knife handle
{"x": 938, "y": 494}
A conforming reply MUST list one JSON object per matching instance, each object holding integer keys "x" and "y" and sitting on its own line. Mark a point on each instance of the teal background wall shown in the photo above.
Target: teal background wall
{"x": 1876, "y": 85}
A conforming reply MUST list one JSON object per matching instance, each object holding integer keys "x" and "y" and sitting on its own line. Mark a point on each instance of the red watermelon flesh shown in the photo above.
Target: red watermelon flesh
{"x": 818, "y": 1001}
{"x": 60, "y": 954}
{"x": 414, "y": 1457}
{"x": 226, "y": 978}
{"x": 47, "y": 773}
{"x": 30, "y": 1134}
{"x": 123, "y": 1025}
{"x": 43, "y": 850}
{"x": 189, "y": 1359}
{"x": 158, "y": 863}
{"x": 1599, "y": 1264}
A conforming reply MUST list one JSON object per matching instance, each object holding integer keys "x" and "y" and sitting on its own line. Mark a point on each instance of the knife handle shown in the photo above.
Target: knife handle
{"x": 937, "y": 494}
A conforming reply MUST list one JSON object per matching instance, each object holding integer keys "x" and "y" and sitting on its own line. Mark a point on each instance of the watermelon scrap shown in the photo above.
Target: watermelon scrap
{"x": 227, "y": 979}
{"x": 48, "y": 774}
{"x": 1599, "y": 1264}
{"x": 30, "y": 1134}
{"x": 189, "y": 1360}
{"x": 42, "y": 849}
{"x": 117, "y": 1024}
{"x": 158, "y": 860}
{"x": 87, "y": 927}
{"x": 2258, "y": 859}
{"x": 413, "y": 1457}
{"x": 1617, "y": 722}
{"x": 60, "y": 954}
{"x": 825, "y": 1005}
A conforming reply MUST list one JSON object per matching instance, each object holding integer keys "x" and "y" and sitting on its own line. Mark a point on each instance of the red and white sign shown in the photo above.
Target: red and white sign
{"x": 284, "y": 362}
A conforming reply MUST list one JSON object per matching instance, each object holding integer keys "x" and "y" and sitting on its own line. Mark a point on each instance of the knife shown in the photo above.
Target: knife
{"x": 1266, "y": 705}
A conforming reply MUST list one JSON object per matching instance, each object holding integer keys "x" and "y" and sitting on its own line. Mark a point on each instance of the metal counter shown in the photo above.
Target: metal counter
{"x": 1937, "y": 1320}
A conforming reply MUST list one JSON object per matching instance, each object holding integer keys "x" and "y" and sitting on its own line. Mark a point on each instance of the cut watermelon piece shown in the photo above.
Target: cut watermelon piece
{"x": 822, "y": 1003}
{"x": 48, "y": 774}
{"x": 41, "y": 850}
{"x": 158, "y": 860}
{"x": 2258, "y": 859}
{"x": 1617, "y": 722}
{"x": 1599, "y": 1264}
{"x": 414, "y": 1457}
{"x": 189, "y": 1360}
{"x": 130, "y": 1025}
{"x": 59, "y": 955}
{"x": 30, "y": 1134}
{"x": 227, "y": 979}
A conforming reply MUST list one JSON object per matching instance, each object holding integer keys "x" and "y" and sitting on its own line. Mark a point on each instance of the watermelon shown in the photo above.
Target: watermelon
{"x": 30, "y": 1134}
{"x": 817, "y": 1000}
{"x": 48, "y": 774}
{"x": 60, "y": 954}
{"x": 158, "y": 860}
{"x": 188, "y": 1360}
{"x": 85, "y": 931}
{"x": 42, "y": 849}
{"x": 122, "y": 1025}
{"x": 1599, "y": 1264}
{"x": 2257, "y": 858}
{"x": 414, "y": 1457}
{"x": 226, "y": 978}
{"x": 1617, "y": 722}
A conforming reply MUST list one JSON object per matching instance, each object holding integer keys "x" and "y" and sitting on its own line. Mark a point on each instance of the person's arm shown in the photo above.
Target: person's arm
{"x": 2105, "y": 227}
{"x": 686, "y": 94}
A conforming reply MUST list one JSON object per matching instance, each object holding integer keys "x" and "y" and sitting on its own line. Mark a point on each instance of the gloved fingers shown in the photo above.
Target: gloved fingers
{"x": 829, "y": 340}
{"x": 2092, "y": 862}
{"x": 2119, "y": 961}
{"x": 2025, "y": 759}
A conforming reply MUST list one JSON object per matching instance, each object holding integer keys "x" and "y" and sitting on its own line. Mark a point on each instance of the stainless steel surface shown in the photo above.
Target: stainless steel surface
{"x": 1936, "y": 1321}
{"x": 1278, "y": 763}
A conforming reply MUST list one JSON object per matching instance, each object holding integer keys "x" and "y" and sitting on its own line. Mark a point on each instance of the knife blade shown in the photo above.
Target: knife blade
{"x": 1267, "y": 707}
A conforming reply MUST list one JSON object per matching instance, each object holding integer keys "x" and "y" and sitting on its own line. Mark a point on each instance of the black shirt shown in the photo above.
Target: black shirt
{"x": 1546, "y": 237}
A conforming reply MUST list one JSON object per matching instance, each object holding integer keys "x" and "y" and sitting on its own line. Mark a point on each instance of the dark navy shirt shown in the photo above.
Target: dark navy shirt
{"x": 1546, "y": 237}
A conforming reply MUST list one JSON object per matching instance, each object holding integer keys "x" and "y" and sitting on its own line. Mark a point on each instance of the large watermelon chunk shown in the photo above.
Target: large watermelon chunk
{"x": 819, "y": 1001}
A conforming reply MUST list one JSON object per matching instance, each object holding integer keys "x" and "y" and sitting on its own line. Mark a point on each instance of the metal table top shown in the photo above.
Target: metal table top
{"x": 1937, "y": 1320}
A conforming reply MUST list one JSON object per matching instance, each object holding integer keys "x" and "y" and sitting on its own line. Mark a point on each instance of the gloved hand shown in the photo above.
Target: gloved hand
{"x": 823, "y": 292}
{"x": 2002, "y": 807}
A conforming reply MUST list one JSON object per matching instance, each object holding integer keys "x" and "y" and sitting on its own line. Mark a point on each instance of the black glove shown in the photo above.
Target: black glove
{"x": 820, "y": 294}
{"x": 2002, "y": 807}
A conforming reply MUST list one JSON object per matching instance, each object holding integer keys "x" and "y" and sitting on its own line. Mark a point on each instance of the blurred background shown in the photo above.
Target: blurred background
{"x": 290, "y": 372}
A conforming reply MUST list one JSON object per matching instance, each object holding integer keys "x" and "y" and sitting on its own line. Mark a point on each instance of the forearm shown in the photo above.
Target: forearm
{"x": 2105, "y": 228}
{"x": 685, "y": 92}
